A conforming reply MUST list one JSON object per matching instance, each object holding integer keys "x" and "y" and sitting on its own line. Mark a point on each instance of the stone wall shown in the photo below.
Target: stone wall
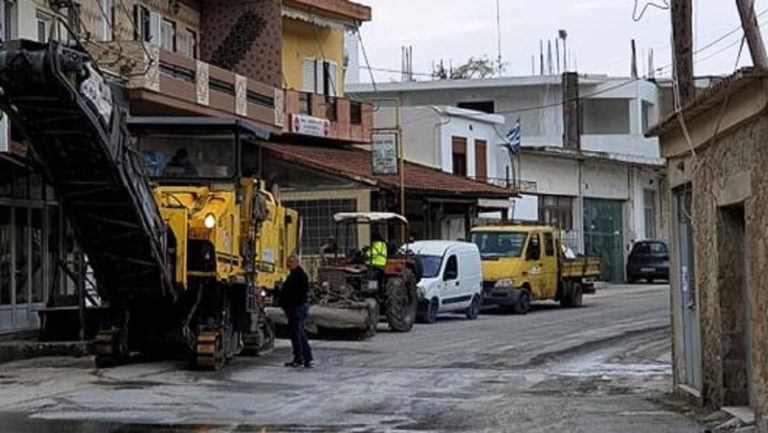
{"x": 730, "y": 195}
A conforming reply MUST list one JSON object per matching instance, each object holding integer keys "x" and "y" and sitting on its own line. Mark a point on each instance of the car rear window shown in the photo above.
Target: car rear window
{"x": 656, "y": 248}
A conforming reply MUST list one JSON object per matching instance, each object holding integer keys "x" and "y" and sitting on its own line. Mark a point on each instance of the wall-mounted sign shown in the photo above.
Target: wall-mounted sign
{"x": 308, "y": 125}
{"x": 384, "y": 153}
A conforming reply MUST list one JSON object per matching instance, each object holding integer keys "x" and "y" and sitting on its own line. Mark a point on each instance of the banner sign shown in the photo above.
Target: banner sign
{"x": 308, "y": 125}
{"x": 384, "y": 153}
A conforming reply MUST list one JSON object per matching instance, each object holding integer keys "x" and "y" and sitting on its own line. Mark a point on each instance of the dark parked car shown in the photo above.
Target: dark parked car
{"x": 649, "y": 261}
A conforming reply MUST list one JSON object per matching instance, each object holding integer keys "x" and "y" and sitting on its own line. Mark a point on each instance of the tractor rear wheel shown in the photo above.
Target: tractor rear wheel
{"x": 401, "y": 301}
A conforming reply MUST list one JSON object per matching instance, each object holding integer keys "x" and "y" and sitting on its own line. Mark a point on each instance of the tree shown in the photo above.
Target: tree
{"x": 480, "y": 67}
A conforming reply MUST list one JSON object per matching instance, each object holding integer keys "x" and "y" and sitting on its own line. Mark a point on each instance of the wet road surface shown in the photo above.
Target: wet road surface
{"x": 601, "y": 368}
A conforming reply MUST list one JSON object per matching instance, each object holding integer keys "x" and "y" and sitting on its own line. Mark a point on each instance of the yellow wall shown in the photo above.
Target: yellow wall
{"x": 301, "y": 40}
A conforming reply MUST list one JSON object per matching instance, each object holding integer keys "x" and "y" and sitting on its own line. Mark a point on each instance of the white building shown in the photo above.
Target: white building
{"x": 455, "y": 140}
{"x": 605, "y": 193}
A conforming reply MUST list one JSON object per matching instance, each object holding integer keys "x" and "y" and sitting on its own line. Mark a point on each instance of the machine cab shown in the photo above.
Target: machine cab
{"x": 194, "y": 150}
{"x": 206, "y": 199}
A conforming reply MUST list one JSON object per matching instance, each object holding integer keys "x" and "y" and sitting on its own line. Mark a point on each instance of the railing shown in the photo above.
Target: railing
{"x": 331, "y": 108}
{"x": 511, "y": 183}
{"x": 305, "y": 103}
{"x": 350, "y": 121}
{"x": 182, "y": 84}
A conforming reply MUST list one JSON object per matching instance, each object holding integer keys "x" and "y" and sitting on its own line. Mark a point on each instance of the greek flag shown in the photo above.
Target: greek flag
{"x": 514, "y": 138}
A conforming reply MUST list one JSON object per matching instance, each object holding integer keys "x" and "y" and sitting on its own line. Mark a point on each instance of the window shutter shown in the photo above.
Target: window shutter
{"x": 333, "y": 82}
{"x": 138, "y": 23}
{"x": 308, "y": 75}
{"x": 154, "y": 28}
{"x": 319, "y": 76}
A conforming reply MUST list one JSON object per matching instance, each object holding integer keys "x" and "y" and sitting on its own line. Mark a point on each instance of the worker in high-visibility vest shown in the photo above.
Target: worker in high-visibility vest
{"x": 376, "y": 257}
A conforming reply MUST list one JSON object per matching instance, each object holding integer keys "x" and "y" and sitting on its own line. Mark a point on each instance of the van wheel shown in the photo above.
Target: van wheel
{"x": 474, "y": 308}
{"x": 430, "y": 314}
{"x": 523, "y": 303}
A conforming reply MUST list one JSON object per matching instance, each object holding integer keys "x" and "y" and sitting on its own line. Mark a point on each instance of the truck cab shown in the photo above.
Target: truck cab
{"x": 523, "y": 263}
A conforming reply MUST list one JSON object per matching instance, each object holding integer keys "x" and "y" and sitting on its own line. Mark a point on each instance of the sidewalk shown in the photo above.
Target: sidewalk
{"x": 14, "y": 350}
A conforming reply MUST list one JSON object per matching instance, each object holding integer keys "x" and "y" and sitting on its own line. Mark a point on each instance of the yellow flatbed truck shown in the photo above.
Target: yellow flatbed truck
{"x": 524, "y": 263}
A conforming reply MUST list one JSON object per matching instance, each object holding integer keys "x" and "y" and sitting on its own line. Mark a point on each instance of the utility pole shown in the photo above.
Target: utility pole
{"x": 752, "y": 33}
{"x": 682, "y": 33}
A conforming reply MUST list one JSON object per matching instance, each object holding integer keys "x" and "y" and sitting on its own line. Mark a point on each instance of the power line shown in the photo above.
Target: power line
{"x": 560, "y": 103}
{"x": 365, "y": 57}
{"x": 394, "y": 71}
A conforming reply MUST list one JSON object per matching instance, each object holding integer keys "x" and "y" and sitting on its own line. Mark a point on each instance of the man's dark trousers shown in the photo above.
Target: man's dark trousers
{"x": 297, "y": 317}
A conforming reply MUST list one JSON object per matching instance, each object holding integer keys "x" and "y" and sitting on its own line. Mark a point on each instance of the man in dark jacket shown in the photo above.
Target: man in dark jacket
{"x": 293, "y": 301}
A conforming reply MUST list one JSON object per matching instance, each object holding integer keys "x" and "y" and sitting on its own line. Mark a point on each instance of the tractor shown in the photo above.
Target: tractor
{"x": 346, "y": 281}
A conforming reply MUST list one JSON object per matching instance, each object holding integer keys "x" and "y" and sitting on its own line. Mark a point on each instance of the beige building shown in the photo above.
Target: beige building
{"x": 719, "y": 272}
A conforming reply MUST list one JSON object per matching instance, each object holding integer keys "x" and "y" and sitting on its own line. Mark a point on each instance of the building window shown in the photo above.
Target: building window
{"x": 459, "y": 154}
{"x": 605, "y": 116}
{"x": 481, "y": 160}
{"x": 355, "y": 113}
{"x": 320, "y": 76}
{"x": 168, "y": 35}
{"x": 649, "y": 205}
{"x": 148, "y": 26}
{"x": 42, "y": 29}
{"x": 318, "y": 226}
{"x": 191, "y": 45}
{"x": 482, "y": 106}
{"x": 556, "y": 211}
{"x": 107, "y": 14}
{"x": 648, "y": 116}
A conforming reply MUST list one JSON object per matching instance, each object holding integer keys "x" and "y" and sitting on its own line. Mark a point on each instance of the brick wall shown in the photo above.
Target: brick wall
{"x": 244, "y": 37}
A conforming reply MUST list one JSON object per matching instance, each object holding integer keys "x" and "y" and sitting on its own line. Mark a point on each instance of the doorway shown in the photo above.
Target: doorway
{"x": 689, "y": 300}
{"x": 604, "y": 236}
{"x": 732, "y": 283}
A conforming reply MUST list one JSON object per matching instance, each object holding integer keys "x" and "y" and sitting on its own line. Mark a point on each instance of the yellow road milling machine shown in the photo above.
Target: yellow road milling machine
{"x": 161, "y": 207}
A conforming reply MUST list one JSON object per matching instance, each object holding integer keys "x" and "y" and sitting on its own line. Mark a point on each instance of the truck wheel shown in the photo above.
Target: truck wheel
{"x": 430, "y": 314}
{"x": 577, "y": 295}
{"x": 400, "y": 302}
{"x": 566, "y": 297}
{"x": 523, "y": 303}
{"x": 474, "y": 308}
{"x": 573, "y": 296}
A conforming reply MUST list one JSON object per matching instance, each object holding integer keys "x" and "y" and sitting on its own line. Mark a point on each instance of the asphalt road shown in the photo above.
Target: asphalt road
{"x": 600, "y": 368}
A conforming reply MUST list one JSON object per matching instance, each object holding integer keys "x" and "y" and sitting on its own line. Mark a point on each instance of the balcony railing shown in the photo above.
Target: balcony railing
{"x": 335, "y": 118}
{"x": 172, "y": 83}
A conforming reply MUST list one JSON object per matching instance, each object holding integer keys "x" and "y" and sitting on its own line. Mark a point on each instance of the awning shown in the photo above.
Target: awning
{"x": 317, "y": 20}
{"x": 368, "y": 217}
{"x": 355, "y": 164}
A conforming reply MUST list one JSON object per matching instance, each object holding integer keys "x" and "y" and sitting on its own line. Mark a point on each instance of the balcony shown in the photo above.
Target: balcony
{"x": 333, "y": 118}
{"x": 178, "y": 85}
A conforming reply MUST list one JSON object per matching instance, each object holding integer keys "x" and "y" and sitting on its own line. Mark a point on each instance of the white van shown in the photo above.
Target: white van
{"x": 451, "y": 281}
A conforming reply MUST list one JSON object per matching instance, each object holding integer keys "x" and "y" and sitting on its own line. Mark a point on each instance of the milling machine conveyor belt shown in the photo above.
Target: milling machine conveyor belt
{"x": 78, "y": 133}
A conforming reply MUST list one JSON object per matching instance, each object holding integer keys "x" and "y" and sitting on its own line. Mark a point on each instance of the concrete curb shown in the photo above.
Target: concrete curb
{"x": 18, "y": 350}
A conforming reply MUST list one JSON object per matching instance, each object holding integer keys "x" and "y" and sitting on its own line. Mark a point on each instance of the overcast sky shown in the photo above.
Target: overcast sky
{"x": 599, "y": 33}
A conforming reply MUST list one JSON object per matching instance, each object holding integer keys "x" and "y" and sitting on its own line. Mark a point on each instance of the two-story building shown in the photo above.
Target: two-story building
{"x": 177, "y": 57}
{"x": 602, "y": 187}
